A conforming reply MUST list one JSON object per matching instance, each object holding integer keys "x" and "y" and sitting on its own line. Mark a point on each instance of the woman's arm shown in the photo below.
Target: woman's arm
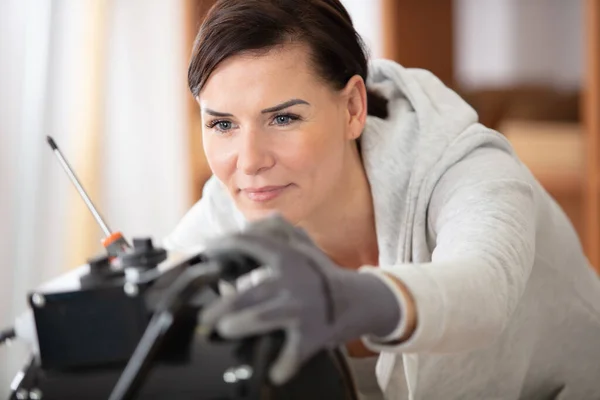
{"x": 482, "y": 217}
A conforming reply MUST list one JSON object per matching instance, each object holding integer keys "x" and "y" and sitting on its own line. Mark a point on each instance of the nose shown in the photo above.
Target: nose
{"x": 254, "y": 152}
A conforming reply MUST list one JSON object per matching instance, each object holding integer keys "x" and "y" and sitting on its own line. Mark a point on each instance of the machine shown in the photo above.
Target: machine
{"x": 126, "y": 326}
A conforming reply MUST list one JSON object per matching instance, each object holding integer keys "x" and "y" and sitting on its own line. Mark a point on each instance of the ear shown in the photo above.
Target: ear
{"x": 355, "y": 96}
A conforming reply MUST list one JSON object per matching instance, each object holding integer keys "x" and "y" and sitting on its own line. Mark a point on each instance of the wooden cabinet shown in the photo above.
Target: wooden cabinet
{"x": 591, "y": 120}
{"x": 419, "y": 33}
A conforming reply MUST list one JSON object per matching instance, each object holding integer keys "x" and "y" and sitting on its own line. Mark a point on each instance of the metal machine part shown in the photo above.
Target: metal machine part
{"x": 124, "y": 327}
{"x": 114, "y": 337}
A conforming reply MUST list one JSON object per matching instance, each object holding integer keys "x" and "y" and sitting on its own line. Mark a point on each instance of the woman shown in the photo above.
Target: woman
{"x": 408, "y": 231}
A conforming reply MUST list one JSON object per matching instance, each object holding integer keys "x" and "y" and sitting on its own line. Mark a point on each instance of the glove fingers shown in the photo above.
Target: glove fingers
{"x": 239, "y": 301}
{"x": 264, "y": 250}
{"x": 256, "y": 277}
{"x": 288, "y": 360}
{"x": 277, "y": 313}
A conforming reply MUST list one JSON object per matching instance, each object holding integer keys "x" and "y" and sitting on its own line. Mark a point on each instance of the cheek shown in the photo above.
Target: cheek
{"x": 315, "y": 157}
{"x": 219, "y": 155}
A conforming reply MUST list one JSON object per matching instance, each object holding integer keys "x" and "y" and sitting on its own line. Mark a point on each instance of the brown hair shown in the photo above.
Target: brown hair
{"x": 233, "y": 27}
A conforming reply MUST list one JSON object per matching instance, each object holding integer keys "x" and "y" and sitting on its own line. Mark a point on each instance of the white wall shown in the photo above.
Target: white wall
{"x": 366, "y": 16}
{"x": 506, "y": 42}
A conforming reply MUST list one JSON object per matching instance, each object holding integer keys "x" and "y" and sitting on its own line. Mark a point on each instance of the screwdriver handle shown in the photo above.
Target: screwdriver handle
{"x": 115, "y": 244}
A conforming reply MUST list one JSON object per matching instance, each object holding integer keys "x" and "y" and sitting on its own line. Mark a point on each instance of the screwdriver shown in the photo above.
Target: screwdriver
{"x": 114, "y": 242}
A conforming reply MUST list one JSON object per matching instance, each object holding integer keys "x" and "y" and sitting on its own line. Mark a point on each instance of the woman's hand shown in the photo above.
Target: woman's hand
{"x": 300, "y": 291}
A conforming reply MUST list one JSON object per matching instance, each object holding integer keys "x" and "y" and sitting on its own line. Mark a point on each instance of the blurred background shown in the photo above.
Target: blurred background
{"x": 107, "y": 79}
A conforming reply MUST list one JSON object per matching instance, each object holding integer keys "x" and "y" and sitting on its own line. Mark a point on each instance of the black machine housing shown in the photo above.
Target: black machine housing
{"x": 87, "y": 337}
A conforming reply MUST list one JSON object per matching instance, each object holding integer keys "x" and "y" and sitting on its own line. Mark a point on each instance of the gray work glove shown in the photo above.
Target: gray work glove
{"x": 301, "y": 291}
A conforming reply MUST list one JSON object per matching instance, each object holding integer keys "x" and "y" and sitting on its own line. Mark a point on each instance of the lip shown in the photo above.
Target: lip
{"x": 264, "y": 193}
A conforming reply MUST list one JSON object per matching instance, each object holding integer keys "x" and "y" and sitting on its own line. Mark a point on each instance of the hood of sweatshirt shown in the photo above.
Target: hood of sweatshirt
{"x": 429, "y": 129}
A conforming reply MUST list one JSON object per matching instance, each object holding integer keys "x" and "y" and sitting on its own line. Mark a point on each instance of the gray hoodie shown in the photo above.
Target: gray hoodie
{"x": 507, "y": 305}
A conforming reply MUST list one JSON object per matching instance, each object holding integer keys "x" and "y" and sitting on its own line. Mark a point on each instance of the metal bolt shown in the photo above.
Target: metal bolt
{"x": 229, "y": 376}
{"x": 240, "y": 373}
{"x": 243, "y": 372}
{"x": 38, "y": 300}
{"x": 35, "y": 394}
{"x": 22, "y": 394}
{"x": 131, "y": 289}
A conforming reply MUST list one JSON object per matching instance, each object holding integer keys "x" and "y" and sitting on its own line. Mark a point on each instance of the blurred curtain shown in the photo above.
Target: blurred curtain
{"x": 107, "y": 80}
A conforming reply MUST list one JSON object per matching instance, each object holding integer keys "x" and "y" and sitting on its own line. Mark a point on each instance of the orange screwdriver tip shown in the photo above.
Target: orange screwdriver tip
{"x": 107, "y": 241}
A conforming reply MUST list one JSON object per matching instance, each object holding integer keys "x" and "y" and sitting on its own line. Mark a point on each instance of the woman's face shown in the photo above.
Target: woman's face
{"x": 279, "y": 137}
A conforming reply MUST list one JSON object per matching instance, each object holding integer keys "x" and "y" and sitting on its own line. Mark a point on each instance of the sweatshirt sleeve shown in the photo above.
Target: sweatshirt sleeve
{"x": 481, "y": 219}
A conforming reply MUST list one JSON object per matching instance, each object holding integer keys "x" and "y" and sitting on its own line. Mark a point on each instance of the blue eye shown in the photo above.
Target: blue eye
{"x": 285, "y": 119}
{"x": 282, "y": 119}
{"x": 221, "y": 125}
{"x": 224, "y": 125}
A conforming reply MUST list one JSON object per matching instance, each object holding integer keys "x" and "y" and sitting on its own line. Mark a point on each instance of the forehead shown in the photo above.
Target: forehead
{"x": 277, "y": 75}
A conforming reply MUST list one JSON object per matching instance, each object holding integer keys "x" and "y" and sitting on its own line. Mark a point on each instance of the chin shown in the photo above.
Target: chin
{"x": 258, "y": 214}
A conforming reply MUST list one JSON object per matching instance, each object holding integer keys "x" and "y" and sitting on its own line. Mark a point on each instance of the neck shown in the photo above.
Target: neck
{"x": 344, "y": 228}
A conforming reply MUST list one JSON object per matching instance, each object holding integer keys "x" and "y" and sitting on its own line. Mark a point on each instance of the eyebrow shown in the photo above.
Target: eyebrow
{"x": 276, "y": 108}
{"x": 284, "y": 105}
